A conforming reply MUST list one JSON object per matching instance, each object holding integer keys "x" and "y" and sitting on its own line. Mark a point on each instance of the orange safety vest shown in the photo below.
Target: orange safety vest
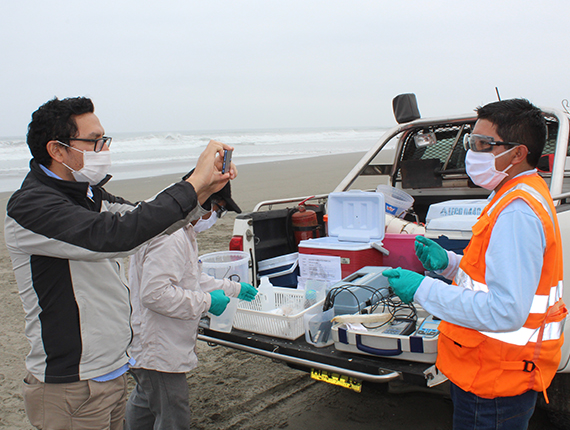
{"x": 501, "y": 364}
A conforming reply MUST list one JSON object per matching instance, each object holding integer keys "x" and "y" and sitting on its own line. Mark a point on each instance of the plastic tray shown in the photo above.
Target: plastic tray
{"x": 250, "y": 317}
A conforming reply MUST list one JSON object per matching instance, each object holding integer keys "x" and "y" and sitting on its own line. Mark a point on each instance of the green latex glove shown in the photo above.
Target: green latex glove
{"x": 247, "y": 292}
{"x": 432, "y": 255}
{"x": 219, "y": 302}
{"x": 403, "y": 282}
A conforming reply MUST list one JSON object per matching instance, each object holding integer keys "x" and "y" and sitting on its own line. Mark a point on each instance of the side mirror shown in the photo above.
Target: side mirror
{"x": 405, "y": 108}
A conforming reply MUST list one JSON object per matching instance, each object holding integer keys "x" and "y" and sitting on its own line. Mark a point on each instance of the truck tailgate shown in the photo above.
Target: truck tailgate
{"x": 300, "y": 354}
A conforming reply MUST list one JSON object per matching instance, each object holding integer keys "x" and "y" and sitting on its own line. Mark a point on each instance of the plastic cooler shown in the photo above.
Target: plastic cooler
{"x": 355, "y": 220}
{"x": 449, "y": 223}
{"x": 282, "y": 271}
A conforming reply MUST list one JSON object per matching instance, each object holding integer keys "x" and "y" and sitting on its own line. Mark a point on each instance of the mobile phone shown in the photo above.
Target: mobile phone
{"x": 227, "y": 160}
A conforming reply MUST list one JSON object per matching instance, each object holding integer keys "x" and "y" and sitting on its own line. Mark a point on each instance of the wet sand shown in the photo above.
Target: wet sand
{"x": 232, "y": 389}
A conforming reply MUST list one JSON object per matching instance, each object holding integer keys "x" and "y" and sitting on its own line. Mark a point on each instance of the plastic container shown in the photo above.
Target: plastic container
{"x": 449, "y": 223}
{"x": 233, "y": 265}
{"x": 250, "y": 317}
{"x": 318, "y": 327}
{"x": 397, "y": 201}
{"x": 353, "y": 255}
{"x": 266, "y": 294}
{"x": 402, "y": 252}
{"x": 225, "y": 321}
{"x": 282, "y": 271}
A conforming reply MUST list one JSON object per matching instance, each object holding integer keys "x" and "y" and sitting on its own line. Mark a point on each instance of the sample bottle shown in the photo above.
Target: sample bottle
{"x": 266, "y": 294}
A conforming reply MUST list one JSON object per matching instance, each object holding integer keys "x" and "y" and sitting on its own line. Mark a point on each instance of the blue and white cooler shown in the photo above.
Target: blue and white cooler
{"x": 449, "y": 223}
{"x": 282, "y": 271}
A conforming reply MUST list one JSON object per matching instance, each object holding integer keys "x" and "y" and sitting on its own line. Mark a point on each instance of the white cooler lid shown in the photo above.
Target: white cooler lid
{"x": 356, "y": 216}
{"x": 456, "y": 208}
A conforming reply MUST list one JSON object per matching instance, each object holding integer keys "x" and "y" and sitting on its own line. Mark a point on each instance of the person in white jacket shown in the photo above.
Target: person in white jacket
{"x": 169, "y": 295}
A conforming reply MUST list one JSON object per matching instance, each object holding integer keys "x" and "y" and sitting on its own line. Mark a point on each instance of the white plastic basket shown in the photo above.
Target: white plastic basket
{"x": 250, "y": 317}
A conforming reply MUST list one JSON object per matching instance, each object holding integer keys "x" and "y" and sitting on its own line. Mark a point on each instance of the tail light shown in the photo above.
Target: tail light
{"x": 236, "y": 243}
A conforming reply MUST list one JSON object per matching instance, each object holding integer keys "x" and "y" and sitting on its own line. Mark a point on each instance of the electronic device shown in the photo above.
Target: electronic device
{"x": 429, "y": 327}
{"x": 227, "y": 160}
{"x": 358, "y": 290}
{"x": 398, "y": 327}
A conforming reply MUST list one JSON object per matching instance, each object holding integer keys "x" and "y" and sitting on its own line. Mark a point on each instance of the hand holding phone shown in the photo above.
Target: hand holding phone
{"x": 226, "y": 165}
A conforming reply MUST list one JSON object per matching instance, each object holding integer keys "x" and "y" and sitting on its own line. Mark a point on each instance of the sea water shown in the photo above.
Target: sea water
{"x": 138, "y": 155}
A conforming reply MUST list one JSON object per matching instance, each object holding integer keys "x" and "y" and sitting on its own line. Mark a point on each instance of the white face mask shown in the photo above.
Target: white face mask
{"x": 481, "y": 169}
{"x": 95, "y": 166}
{"x": 205, "y": 224}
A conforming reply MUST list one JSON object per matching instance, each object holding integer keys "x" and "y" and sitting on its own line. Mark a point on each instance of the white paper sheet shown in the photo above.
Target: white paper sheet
{"x": 321, "y": 267}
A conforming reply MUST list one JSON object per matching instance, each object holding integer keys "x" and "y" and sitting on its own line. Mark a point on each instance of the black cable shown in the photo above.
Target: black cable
{"x": 400, "y": 312}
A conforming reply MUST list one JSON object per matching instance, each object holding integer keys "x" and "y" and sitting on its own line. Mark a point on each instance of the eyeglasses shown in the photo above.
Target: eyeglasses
{"x": 221, "y": 211}
{"x": 98, "y": 144}
{"x": 482, "y": 143}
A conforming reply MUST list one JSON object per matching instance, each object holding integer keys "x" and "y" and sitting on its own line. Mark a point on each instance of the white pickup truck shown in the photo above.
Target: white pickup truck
{"x": 425, "y": 158}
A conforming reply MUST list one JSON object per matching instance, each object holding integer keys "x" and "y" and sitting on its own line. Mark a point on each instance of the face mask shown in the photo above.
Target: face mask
{"x": 481, "y": 169}
{"x": 205, "y": 224}
{"x": 95, "y": 166}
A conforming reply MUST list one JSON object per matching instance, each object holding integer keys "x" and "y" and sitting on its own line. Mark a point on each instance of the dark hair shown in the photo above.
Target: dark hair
{"x": 54, "y": 120}
{"x": 518, "y": 120}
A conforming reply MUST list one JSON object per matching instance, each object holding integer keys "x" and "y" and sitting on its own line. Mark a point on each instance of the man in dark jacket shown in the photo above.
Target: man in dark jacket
{"x": 67, "y": 236}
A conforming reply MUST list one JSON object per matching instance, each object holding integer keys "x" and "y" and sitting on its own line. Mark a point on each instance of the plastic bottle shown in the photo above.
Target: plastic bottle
{"x": 266, "y": 294}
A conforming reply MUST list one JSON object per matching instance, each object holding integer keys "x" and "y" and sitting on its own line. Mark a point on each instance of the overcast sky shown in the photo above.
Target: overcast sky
{"x": 176, "y": 65}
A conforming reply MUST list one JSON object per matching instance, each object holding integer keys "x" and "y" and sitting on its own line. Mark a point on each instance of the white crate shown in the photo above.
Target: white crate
{"x": 250, "y": 317}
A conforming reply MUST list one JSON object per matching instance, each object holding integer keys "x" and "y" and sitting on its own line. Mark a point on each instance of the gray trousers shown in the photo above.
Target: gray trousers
{"x": 158, "y": 402}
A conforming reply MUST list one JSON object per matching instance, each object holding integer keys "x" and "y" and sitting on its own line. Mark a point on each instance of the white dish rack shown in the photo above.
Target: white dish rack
{"x": 250, "y": 317}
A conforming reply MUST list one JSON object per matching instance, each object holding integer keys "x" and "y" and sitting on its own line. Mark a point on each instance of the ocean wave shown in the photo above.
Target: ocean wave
{"x": 149, "y": 154}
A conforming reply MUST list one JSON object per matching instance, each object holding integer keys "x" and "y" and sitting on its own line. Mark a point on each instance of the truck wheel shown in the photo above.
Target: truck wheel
{"x": 558, "y": 409}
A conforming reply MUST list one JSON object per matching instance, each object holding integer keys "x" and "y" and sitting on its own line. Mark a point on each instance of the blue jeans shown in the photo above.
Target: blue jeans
{"x": 471, "y": 412}
{"x": 159, "y": 401}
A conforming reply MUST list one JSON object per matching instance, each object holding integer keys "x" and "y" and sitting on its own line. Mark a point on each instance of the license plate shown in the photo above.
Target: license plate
{"x": 337, "y": 379}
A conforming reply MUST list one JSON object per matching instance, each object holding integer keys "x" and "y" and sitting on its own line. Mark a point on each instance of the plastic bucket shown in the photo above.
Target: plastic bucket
{"x": 397, "y": 201}
{"x": 233, "y": 265}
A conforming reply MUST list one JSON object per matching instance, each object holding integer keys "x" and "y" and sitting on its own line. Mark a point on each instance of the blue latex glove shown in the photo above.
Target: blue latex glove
{"x": 404, "y": 283}
{"x": 247, "y": 292}
{"x": 432, "y": 255}
{"x": 219, "y": 302}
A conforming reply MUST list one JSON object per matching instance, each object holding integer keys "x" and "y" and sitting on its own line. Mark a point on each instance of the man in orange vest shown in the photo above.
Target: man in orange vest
{"x": 503, "y": 316}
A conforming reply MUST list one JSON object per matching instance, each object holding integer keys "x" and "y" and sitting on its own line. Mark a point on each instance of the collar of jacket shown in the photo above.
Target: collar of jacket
{"x": 69, "y": 187}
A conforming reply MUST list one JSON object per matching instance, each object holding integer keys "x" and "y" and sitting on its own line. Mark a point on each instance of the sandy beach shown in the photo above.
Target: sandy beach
{"x": 232, "y": 389}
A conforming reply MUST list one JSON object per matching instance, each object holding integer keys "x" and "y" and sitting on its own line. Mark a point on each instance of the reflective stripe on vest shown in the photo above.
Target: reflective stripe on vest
{"x": 528, "y": 189}
{"x": 523, "y": 336}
